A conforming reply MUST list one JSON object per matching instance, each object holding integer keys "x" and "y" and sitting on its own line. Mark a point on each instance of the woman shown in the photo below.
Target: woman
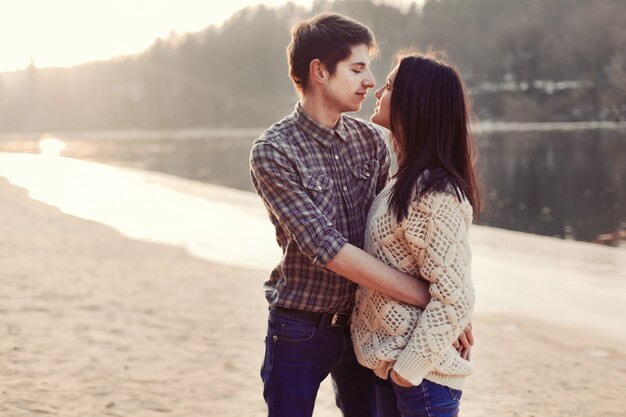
{"x": 419, "y": 224}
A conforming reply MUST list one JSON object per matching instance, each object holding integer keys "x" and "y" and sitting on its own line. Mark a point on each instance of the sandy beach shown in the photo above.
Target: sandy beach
{"x": 93, "y": 323}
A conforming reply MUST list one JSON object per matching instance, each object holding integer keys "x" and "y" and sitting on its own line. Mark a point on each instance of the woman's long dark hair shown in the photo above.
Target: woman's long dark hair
{"x": 430, "y": 129}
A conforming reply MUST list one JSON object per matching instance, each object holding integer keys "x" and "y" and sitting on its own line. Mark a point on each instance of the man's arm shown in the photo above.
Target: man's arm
{"x": 360, "y": 267}
{"x": 277, "y": 183}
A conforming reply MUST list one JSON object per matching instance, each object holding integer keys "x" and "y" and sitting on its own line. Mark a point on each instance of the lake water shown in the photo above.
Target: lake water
{"x": 566, "y": 181}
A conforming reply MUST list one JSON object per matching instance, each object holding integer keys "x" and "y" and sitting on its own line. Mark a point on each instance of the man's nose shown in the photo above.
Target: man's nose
{"x": 369, "y": 82}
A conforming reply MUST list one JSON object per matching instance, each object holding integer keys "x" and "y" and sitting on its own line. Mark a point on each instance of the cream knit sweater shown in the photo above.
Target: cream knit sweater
{"x": 431, "y": 243}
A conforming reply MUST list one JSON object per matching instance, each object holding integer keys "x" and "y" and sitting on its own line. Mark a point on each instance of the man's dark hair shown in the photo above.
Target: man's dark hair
{"x": 328, "y": 37}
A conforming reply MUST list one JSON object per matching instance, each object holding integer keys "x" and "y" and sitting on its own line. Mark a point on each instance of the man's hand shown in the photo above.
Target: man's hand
{"x": 466, "y": 354}
{"x": 464, "y": 343}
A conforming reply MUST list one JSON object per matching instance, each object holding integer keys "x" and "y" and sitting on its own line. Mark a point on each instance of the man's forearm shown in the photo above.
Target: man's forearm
{"x": 360, "y": 267}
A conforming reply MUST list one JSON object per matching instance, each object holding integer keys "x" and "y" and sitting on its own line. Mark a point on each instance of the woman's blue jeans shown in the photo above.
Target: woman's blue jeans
{"x": 299, "y": 356}
{"x": 427, "y": 399}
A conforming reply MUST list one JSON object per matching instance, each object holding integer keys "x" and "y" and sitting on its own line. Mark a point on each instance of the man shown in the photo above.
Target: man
{"x": 317, "y": 171}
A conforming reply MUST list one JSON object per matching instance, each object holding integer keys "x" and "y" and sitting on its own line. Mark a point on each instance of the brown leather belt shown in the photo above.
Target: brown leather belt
{"x": 319, "y": 319}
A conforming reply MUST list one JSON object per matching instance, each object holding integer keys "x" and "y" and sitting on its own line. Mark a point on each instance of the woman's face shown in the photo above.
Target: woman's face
{"x": 381, "y": 114}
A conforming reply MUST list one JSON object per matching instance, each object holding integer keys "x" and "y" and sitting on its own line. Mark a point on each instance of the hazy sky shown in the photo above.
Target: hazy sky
{"x": 68, "y": 32}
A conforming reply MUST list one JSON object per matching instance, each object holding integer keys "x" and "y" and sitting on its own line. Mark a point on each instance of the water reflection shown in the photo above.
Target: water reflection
{"x": 50, "y": 146}
{"x": 565, "y": 184}
{"x": 568, "y": 184}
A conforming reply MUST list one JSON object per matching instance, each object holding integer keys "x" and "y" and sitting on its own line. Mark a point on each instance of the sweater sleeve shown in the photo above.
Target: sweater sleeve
{"x": 436, "y": 231}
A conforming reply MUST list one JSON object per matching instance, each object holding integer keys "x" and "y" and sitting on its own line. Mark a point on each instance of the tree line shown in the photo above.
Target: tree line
{"x": 523, "y": 60}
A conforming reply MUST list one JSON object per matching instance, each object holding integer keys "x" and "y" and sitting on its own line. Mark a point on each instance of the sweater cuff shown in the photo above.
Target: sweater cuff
{"x": 411, "y": 367}
{"x": 329, "y": 247}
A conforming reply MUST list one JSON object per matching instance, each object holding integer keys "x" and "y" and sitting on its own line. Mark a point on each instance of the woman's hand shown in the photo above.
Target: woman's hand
{"x": 398, "y": 380}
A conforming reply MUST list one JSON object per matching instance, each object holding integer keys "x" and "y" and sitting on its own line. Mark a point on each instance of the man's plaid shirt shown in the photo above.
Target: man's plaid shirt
{"x": 317, "y": 184}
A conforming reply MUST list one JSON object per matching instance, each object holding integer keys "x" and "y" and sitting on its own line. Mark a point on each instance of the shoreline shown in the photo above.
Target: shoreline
{"x": 50, "y": 148}
{"x": 484, "y": 126}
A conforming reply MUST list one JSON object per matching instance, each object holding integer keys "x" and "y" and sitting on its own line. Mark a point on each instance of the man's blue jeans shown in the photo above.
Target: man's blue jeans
{"x": 427, "y": 399}
{"x": 299, "y": 356}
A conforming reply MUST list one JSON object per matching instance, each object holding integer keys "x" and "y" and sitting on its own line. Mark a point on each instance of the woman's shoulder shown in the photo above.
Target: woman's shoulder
{"x": 446, "y": 199}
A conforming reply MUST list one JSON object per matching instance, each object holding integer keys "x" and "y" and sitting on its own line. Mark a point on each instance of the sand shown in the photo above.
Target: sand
{"x": 93, "y": 323}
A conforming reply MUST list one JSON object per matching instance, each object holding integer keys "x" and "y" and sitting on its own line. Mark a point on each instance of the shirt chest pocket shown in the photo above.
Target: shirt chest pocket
{"x": 364, "y": 179}
{"x": 319, "y": 188}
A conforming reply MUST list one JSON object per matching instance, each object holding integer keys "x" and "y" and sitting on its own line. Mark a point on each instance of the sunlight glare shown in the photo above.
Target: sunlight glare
{"x": 151, "y": 206}
{"x": 50, "y": 146}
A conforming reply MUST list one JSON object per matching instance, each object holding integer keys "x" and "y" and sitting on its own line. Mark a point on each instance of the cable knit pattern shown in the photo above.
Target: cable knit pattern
{"x": 431, "y": 243}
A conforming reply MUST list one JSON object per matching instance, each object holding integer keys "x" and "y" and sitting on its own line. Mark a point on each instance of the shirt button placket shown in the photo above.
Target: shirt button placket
{"x": 336, "y": 156}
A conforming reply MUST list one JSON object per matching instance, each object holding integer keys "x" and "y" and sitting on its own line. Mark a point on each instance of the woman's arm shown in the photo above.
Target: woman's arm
{"x": 436, "y": 230}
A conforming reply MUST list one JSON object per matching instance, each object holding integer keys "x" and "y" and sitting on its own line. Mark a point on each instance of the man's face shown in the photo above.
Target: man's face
{"x": 346, "y": 89}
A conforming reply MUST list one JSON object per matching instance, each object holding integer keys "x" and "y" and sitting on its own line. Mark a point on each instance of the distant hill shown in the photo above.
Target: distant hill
{"x": 524, "y": 60}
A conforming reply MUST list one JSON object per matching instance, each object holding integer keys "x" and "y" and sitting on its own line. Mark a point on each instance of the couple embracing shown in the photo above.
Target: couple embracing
{"x": 374, "y": 284}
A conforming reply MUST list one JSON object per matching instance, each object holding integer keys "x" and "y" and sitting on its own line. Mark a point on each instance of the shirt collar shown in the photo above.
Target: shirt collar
{"x": 321, "y": 134}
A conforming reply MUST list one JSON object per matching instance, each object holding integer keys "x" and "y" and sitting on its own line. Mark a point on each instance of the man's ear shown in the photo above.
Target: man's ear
{"x": 317, "y": 72}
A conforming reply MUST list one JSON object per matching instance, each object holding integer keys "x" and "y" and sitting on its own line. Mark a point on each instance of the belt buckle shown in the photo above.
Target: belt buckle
{"x": 336, "y": 318}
